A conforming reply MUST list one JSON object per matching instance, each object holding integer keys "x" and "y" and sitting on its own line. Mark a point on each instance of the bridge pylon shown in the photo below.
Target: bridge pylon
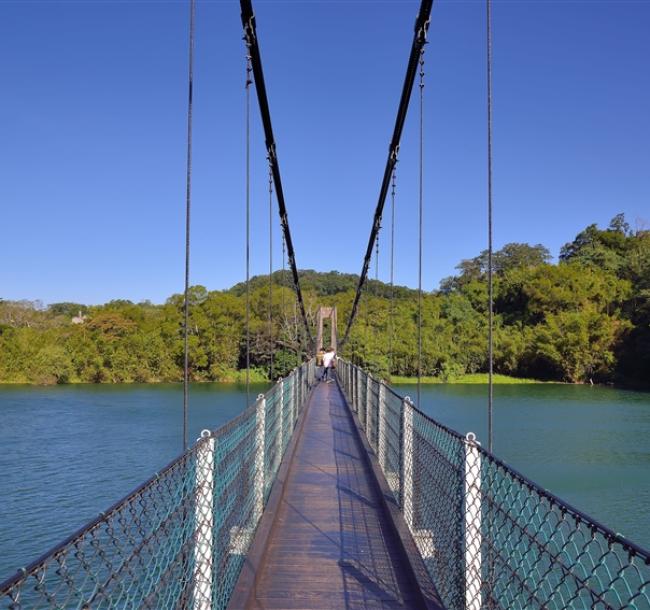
{"x": 323, "y": 314}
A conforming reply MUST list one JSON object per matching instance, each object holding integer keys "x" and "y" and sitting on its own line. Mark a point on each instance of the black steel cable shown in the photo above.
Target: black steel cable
{"x": 490, "y": 278}
{"x": 249, "y": 82}
{"x": 490, "y": 555}
{"x": 419, "y": 40}
{"x": 250, "y": 35}
{"x": 366, "y": 307}
{"x": 188, "y": 206}
{"x": 420, "y": 225}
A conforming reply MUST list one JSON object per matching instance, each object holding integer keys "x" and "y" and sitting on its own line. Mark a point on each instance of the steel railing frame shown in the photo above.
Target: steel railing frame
{"x": 488, "y": 535}
{"x": 181, "y": 538}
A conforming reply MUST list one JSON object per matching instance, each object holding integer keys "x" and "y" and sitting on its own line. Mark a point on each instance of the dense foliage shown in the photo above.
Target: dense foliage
{"x": 585, "y": 318}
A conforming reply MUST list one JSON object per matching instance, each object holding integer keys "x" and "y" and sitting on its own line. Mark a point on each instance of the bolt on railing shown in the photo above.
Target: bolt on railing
{"x": 180, "y": 539}
{"x": 489, "y": 537}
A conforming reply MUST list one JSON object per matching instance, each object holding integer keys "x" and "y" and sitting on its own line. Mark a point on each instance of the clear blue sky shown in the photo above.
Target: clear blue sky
{"x": 92, "y": 125}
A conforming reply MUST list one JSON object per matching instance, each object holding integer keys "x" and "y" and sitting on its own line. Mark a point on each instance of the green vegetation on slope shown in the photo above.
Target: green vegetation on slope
{"x": 473, "y": 378}
{"x": 585, "y": 318}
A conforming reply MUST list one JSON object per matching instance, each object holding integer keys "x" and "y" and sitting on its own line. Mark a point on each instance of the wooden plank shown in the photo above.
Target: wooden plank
{"x": 331, "y": 544}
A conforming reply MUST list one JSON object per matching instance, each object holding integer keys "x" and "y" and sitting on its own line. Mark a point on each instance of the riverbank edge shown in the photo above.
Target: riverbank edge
{"x": 473, "y": 378}
{"x": 256, "y": 378}
{"x": 240, "y": 378}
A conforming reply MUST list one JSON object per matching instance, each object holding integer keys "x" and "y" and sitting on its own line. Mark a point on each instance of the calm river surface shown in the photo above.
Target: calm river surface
{"x": 69, "y": 452}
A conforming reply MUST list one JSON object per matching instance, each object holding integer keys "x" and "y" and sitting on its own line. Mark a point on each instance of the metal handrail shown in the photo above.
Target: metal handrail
{"x": 489, "y": 536}
{"x": 181, "y": 537}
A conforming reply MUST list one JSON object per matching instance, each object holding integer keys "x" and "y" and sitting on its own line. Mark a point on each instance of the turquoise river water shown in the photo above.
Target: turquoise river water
{"x": 69, "y": 452}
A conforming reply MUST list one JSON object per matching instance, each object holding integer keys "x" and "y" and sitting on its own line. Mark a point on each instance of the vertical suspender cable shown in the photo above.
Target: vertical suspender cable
{"x": 283, "y": 316}
{"x": 188, "y": 201}
{"x": 249, "y": 82}
{"x": 419, "y": 40}
{"x": 490, "y": 279}
{"x": 284, "y": 249}
{"x": 270, "y": 273}
{"x": 377, "y": 263}
{"x": 420, "y": 223}
{"x": 250, "y": 36}
{"x": 392, "y": 276}
{"x": 366, "y": 310}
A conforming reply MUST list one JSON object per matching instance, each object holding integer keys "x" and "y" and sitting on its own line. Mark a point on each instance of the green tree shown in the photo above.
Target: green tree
{"x": 579, "y": 346}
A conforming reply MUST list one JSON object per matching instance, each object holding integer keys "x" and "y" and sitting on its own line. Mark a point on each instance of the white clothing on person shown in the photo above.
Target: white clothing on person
{"x": 328, "y": 358}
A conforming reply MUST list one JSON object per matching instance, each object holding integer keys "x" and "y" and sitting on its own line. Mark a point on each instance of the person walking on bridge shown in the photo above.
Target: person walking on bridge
{"x": 329, "y": 363}
{"x": 319, "y": 364}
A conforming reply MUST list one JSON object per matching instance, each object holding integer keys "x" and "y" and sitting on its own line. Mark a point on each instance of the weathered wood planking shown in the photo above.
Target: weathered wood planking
{"x": 331, "y": 544}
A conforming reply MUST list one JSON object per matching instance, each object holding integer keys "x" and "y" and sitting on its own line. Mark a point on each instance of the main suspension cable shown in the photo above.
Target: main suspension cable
{"x": 489, "y": 197}
{"x": 249, "y": 82}
{"x": 250, "y": 36}
{"x": 420, "y": 225}
{"x": 188, "y": 206}
{"x": 419, "y": 40}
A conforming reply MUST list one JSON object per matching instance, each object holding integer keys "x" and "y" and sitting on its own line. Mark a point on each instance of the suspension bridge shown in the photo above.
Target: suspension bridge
{"x": 335, "y": 495}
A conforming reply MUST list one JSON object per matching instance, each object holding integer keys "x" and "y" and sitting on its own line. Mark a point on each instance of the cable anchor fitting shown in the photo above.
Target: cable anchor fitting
{"x": 421, "y": 35}
{"x": 249, "y": 31}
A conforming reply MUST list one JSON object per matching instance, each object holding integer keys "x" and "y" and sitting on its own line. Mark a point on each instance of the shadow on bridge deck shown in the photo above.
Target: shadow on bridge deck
{"x": 331, "y": 543}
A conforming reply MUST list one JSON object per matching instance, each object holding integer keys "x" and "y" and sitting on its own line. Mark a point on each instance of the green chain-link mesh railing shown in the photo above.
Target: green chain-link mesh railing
{"x": 180, "y": 539}
{"x": 488, "y": 536}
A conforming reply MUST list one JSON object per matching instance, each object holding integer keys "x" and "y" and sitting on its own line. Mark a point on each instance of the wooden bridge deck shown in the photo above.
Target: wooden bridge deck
{"x": 331, "y": 543}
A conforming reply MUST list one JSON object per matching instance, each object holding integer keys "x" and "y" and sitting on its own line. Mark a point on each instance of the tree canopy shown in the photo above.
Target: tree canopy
{"x": 585, "y": 318}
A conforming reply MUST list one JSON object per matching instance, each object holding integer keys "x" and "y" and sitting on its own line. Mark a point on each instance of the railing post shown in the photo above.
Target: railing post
{"x": 406, "y": 454}
{"x": 360, "y": 403}
{"x": 204, "y": 519}
{"x": 473, "y": 536}
{"x": 281, "y": 431}
{"x": 381, "y": 450}
{"x": 298, "y": 389}
{"x": 260, "y": 432}
{"x": 302, "y": 387}
{"x": 305, "y": 383}
{"x": 368, "y": 405}
{"x": 348, "y": 384}
{"x": 357, "y": 397}
{"x": 292, "y": 398}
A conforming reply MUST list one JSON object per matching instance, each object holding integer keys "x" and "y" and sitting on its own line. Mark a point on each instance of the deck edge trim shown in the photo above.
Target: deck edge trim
{"x": 244, "y": 593}
{"x": 414, "y": 562}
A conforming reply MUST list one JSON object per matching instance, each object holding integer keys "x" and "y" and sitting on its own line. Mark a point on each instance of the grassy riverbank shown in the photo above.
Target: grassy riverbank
{"x": 476, "y": 378}
{"x": 227, "y": 376}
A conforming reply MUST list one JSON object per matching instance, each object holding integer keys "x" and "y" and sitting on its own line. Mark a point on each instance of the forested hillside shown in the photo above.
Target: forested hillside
{"x": 585, "y": 318}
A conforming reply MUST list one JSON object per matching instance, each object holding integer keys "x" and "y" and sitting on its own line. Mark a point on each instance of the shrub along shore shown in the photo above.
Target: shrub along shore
{"x": 584, "y": 319}
{"x": 474, "y": 378}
